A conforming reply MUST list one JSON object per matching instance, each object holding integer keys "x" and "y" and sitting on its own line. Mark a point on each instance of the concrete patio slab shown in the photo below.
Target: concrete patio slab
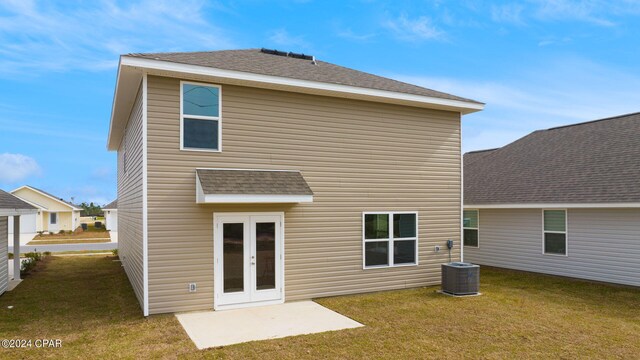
{"x": 227, "y": 327}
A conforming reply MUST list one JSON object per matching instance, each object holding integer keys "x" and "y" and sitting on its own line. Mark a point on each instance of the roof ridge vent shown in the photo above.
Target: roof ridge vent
{"x": 290, "y": 54}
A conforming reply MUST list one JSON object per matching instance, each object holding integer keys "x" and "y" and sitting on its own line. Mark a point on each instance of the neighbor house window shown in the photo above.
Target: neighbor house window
{"x": 470, "y": 227}
{"x": 54, "y": 218}
{"x": 555, "y": 232}
{"x": 200, "y": 117}
{"x": 390, "y": 239}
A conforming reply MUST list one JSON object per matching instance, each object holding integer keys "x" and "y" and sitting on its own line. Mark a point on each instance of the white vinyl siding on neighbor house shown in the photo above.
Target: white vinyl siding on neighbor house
{"x": 604, "y": 244}
{"x": 4, "y": 248}
{"x": 130, "y": 200}
{"x": 349, "y": 163}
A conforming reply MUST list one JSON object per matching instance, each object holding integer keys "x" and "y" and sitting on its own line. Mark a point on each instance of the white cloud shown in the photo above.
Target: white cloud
{"x": 588, "y": 11}
{"x": 565, "y": 91}
{"x": 351, "y": 35}
{"x": 17, "y": 167}
{"x": 283, "y": 38}
{"x": 42, "y": 36}
{"x": 509, "y": 13}
{"x": 421, "y": 28}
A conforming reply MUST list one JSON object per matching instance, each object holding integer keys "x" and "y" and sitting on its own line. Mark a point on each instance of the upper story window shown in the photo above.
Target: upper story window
{"x": 554, "y": 232}
{"x": 200, "y": 120}
{"x": 390, "y": 238}
{"x": 470, "y": 227}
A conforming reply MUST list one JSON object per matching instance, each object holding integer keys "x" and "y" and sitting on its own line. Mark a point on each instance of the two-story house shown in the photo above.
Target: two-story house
{"x": 250, "y": 177}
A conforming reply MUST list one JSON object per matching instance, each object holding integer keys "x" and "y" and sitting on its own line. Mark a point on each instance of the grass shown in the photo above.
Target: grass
{"x": 83, "y": 252}
{"x": 88, "y": 303}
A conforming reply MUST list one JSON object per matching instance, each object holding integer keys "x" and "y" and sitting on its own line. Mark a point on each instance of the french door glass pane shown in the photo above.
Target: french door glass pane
{"x": 265, "y": 256}
{"x": 404, "y": 252}
{"x": 376, "y": 253}
{"x": 233, "y": 257}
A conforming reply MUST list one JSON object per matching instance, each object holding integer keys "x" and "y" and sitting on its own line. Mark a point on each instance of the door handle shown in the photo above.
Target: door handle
{"x": 253, "y": 263}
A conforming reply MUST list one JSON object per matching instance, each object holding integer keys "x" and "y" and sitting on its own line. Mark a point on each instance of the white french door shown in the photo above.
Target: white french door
{"x": 248, "y": 259}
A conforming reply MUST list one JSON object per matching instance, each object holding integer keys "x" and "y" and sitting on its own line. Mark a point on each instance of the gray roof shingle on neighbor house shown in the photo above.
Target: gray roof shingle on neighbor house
{"x": 257, "y": 62}
{"x": 253, "y": 182}
{"x": 111, "y": 205}
{"x": 592, "y": 162}
{"x": 8, "y": 201}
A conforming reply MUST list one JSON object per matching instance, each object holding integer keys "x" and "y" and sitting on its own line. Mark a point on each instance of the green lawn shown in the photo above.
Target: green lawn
{"x": 88, "y": 303}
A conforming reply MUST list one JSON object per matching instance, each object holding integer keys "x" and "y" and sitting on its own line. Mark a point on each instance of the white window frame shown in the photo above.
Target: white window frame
{"x": 390, "y": 239}
{"x": 565, "y": 232}
{"x": 200, "y": 117}
{"x": 471, "y": 228}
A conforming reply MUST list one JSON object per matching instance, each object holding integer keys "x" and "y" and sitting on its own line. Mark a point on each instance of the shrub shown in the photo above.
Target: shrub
{"x": 27, "y": 265}
{"x": 115, "y": 252}
{"x": 36, "y": 256}
{"x": 61, "y": 232}
{"x": 46, "y": 253}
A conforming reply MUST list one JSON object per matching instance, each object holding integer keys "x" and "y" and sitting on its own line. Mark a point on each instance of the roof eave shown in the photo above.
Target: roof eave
{"x": 566, "y": 205}
{"x": 269, "y": 81}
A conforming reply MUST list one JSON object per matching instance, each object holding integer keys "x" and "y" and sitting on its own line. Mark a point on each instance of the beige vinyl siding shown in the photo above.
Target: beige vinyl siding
{"x": 130, "y": 206}
{"x": 4, "y": 249}
{"x": 603, "y": 244}
{"x": 356, "y": 156}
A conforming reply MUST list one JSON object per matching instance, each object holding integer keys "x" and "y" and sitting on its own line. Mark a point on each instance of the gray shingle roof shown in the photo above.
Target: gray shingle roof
{"x": 592, "y": 162}
{"x": 8, "y": 201}
{"x": 256, "y": 62}
{"x": 111, "y": 205}
{"x": 253, "y": 182}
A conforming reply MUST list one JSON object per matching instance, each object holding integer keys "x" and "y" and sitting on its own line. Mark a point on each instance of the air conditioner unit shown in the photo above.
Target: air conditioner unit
{"x": 460, "y": 278}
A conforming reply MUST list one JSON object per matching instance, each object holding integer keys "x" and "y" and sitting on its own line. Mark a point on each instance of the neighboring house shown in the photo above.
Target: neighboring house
{"x": 54, "y": 214}
{"x": 11, "y": 208}
{"x": 248, "y": 177}
{"x": 562, "y": 201}
{"x": 111, "y": 215}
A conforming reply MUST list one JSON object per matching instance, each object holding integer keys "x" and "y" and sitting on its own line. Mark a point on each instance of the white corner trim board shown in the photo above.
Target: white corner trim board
{"x": 554, "y": 206}
{"x": 463, "y": 106}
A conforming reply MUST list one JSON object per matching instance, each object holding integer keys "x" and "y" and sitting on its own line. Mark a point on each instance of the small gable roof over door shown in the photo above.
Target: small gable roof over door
{"x": 251, "y": 186}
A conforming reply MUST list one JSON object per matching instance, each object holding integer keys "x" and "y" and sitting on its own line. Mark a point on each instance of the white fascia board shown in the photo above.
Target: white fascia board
{"x": 252, "y": 199}
{"x": 462, "y": 106}
{"x": 15, "y": 212}
{"x": 554, "y": 206}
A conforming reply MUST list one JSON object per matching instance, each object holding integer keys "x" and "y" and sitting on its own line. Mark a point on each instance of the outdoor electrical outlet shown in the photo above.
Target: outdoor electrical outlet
{"x": 192, "y": 287}
{"x": 437, "y": 248}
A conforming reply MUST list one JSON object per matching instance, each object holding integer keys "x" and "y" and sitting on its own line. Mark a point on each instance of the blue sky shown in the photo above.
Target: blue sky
{"x": 536, "y": 64}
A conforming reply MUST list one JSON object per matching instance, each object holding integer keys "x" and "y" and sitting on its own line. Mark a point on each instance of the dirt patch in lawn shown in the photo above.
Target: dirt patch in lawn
{"x": 88, "y": 303}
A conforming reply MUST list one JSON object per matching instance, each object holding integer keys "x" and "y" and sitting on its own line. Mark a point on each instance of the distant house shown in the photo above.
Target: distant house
{"x": 10, "y": 208}
{"x": 251, "y": 177}
{"x": 111, "y": 215}
{"x": 54, "y": 214}
{"x": 563, "y": 201}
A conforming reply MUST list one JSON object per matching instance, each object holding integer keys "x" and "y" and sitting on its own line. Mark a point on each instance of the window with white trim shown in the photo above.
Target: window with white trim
{"x": 470, "y": 227}
{"x": 200, "y": 120}
{"x": 554, "y": 240}
{"x": 390, "y": 239}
